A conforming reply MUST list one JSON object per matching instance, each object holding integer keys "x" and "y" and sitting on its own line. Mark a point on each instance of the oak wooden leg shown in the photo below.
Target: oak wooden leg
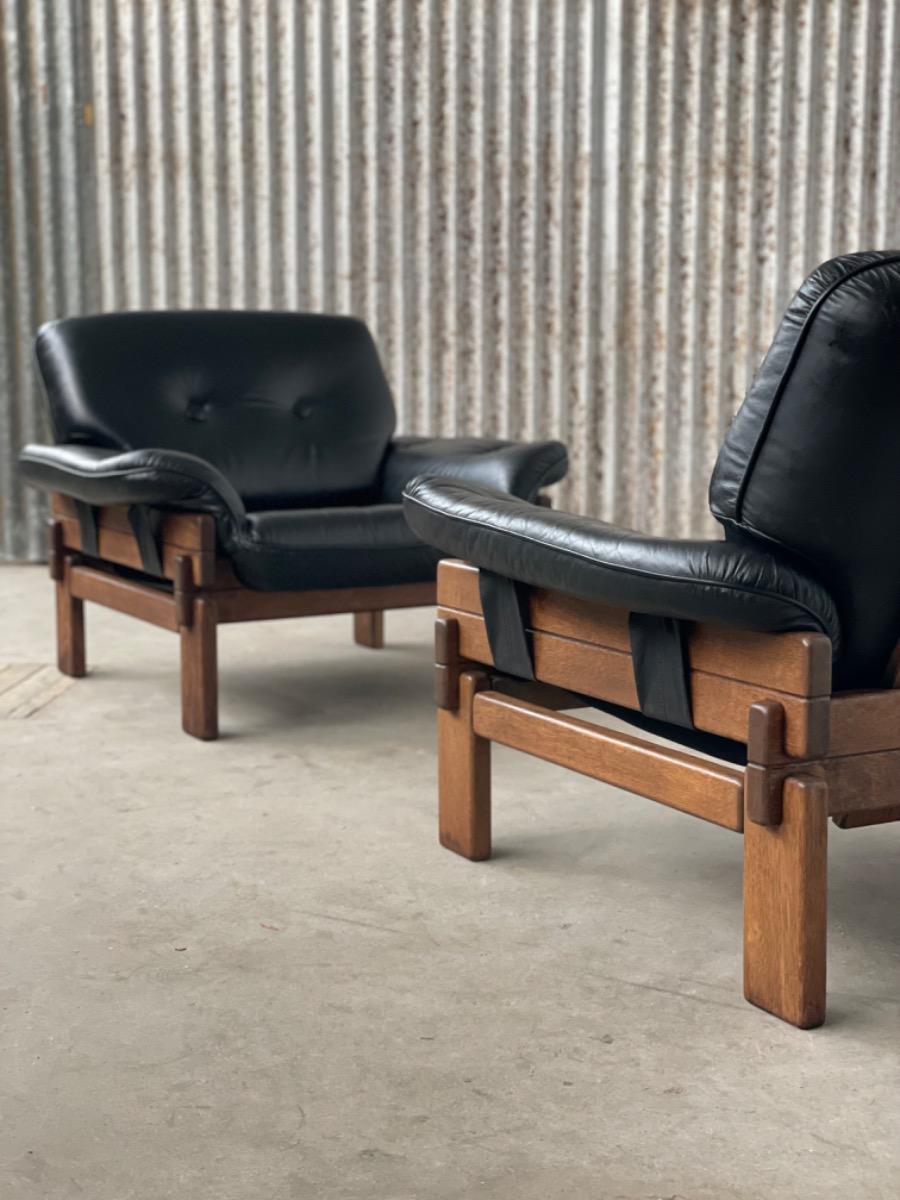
{"x": 785, "y": 920}
{"x": 70, "y": 655}
{"x": 199, "y": 673}
{"x": 464, "y": 775}
{"x": 368, "y": 629}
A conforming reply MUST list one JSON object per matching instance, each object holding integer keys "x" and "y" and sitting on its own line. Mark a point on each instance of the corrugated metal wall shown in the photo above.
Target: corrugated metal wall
{"x": 569, "y": 218}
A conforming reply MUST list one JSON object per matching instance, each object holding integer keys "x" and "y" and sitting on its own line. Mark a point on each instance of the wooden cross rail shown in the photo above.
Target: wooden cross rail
{"x": 694, "y": 785}
{"x": 811, "y": 753}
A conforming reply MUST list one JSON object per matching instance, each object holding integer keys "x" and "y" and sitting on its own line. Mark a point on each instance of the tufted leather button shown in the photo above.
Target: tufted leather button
{"x": 197, "y": 408}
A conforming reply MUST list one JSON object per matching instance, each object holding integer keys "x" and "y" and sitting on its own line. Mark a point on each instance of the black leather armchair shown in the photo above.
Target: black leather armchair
{"x": 220, "y": 466}
{"x": 773, "y": 650}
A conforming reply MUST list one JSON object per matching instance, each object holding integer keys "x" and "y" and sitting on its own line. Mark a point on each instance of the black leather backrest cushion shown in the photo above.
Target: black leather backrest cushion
{"x": 293, "y": 409}
{"x": 812, "y": 459}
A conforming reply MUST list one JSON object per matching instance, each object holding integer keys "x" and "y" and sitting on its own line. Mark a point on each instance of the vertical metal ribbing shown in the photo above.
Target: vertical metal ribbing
{"x": 126, "y": 130}
{"x": 188, "y": 198}
{"x": 611, "y": 348}
{"x": 578, "y": 218}
{"x": 660, "y": 379}
{"x": 549, "y": 198}
{"x": 158, "y": 200}
{"x": 209, "y": 166}
{"x": 257, "y": 156}
{"x": 444, "y": 281}
{"x": 578, "y": 275}
{"x": 233, "y": 100}
{"x": 468, "y": 401}
{"x": 713, "y": 284}
{"x": 633, "y": 423}
{"x": 886, "y": 219}
{"x": 523, "y": 217}
{"x": 364, "y": 158}
{"x": 496, "y": 395}
{"x": 314, "y": 178}
{"x": 735, "y": 137}
{"x": 592, "y": 424}
{"x": 390, "y": 216}
{"x": 418, "y": 204}
{"x": 341, "y": 161}
{"x": 19, "y": 295}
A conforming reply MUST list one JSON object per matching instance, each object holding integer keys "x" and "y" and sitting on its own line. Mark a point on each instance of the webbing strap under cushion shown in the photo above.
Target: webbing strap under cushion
{"x": 659, "y": 660}
{"x": 143, "y": 527}
{"x": 87, "y": 523}
{"x": 504, "y": 603}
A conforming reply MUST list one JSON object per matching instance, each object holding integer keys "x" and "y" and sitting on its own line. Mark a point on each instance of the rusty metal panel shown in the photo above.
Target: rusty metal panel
{"x": 561, "y": 218}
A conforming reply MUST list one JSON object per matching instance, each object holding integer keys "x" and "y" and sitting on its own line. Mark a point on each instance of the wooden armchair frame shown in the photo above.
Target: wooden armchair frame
{"x": 811, "y": 755}
{"x": 196, "y": 593}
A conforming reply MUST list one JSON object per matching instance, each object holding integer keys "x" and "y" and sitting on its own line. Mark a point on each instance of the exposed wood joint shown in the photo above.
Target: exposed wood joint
{"x": 446, "y": 663}
{"x": 184, "y": 591}
{"x": 57, "y": 550}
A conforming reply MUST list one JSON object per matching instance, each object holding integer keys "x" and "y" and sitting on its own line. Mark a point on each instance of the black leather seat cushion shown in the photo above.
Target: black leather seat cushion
{"x": 717, "y": 581}
{"x": 342, "y": 547}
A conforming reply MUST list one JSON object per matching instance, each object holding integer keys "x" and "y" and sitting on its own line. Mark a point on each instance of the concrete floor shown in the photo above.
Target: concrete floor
{"x": 246, "y": 971}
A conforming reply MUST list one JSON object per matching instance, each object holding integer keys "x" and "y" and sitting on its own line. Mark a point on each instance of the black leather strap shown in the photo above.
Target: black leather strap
{"x": 659, "y": 659}
{"x": 505, "y": 606}
{"x": 87, "y": 523}
{"x": 143, "y": 525}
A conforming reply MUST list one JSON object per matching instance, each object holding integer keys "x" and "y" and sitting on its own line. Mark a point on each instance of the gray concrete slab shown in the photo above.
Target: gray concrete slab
{"x": 246, "y": 970}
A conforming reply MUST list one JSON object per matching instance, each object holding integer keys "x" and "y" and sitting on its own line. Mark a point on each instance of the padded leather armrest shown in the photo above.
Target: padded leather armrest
{"x": 99, "y": 476}
{"x": 520, "y": 468}
{"x": 715, "y": 581}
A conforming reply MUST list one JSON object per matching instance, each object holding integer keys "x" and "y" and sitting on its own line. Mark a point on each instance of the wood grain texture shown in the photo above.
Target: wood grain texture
{"x": 124, "y": 595}
{"x": 709, "y": 790}
{"x": 56, "y": 547}
{"x": 184, "y": 590}
{"x": 187, "y": 531}
{"x": 199, "y": 673}
{"x": 368, "y": 629}
{"x": 862, "y": 782}
{"x": 865, "y": 721}
{"x": 464, "y": 775}
{"x": 719, "y": 705}
{"x": 763, "y": 782}
{"x": 179, "y": 534}
{"x": 446, "y": 664}
{"x": 796, "y": 663}
{"x": 245, "y": 604}
{"x": 70, "y": 643}
{"x": 785, "y": 873}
